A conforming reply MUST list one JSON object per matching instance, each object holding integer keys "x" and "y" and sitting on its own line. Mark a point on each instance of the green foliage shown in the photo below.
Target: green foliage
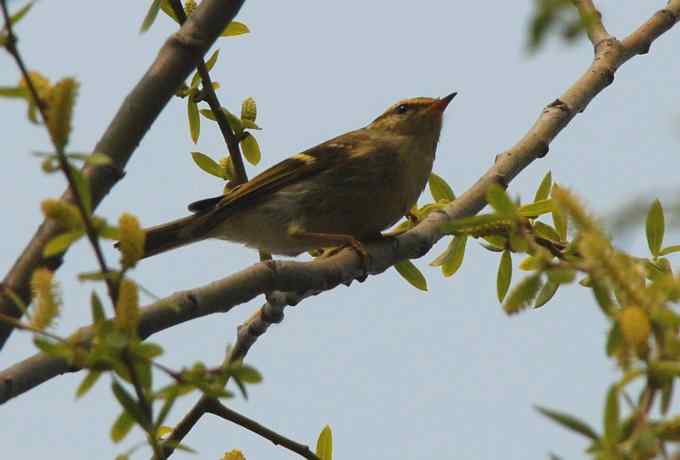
{"x": 410, "y": 273}
{"x": 655, "y": 227}
{"x": 251, "y": 150}
{"x": 452, "y": 259}
{"x": 504, "y": 276}
{"x": 569, "y": 422}
{"x": 440, "y": 189}
{"x": 151, "y": 15}
{"x": 549, "y": 15}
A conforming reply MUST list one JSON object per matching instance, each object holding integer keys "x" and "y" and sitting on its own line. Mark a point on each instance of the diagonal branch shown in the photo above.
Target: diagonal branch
{"x": 217, "y": 408}
{"x": 592, "y": 20}
{"x": 175, "y": 61}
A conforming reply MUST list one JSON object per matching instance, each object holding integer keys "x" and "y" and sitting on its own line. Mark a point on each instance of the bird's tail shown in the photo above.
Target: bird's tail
{"x": 172, "y": 235}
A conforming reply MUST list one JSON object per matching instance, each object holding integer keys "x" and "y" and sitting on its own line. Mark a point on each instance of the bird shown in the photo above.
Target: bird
{"x": 339, "y": 193}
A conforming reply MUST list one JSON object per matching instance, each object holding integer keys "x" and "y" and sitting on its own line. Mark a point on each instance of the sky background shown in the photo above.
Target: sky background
{"x": 397, "y": 373}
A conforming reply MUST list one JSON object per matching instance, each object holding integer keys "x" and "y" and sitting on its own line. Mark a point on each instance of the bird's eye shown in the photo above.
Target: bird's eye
{"x": 402, "y": 108}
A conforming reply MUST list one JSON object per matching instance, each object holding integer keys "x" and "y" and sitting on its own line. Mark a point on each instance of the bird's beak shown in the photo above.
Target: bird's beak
{"x": 441, "y": 103}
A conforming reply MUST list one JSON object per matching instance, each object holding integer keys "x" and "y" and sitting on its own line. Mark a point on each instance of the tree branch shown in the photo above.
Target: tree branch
{"x": 592, "y": 20}
{"x": 310, "y": 278}
{"x": 217, "y": 408}
{"x": 175, "y": 61}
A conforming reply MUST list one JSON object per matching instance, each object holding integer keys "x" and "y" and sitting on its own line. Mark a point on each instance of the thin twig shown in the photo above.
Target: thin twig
{"x": 217, "y": 408}
{"x": 214, "y": 103}
{"x": 592, "y": 20}
{"x": 63, "y": 161}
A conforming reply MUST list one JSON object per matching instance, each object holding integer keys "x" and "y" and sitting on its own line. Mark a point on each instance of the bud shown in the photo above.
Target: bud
{"x": 66, "y": 214}
{"x": 249, "y": 109}
{"x": 227, "y": 168}
{"x": 60, "y": 104}
{"x": 189, "y": 7}
{"x": 131, "y": 240}
{"x": 46, "y": 299}
{"x": 127, "y": 307}
{"x": 635, "y": 325}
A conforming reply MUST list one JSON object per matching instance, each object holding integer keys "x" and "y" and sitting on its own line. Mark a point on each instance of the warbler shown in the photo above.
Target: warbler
{"x": 341, "y": 192}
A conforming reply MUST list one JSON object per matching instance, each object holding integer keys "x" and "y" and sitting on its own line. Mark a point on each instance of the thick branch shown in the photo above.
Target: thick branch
{"x": 175, "y": 61}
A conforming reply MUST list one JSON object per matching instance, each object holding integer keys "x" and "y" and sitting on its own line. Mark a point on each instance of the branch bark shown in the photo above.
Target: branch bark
{"x": 175, "y": 61}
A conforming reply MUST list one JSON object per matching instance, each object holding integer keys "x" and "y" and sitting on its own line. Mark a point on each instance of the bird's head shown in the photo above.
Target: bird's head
{"x": 417, "y": 116}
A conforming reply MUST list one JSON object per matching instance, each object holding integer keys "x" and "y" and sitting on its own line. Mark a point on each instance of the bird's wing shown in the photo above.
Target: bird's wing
{"x": 289, "y": 171}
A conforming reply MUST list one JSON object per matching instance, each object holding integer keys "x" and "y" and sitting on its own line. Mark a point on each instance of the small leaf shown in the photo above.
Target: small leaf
{"x": 83, "y": 187}
{"x": 500, "y": 201}
{"x": 19, "y": 15}
{"x": 121, "y": 427}
{"x": 87, "y": 383}
{"x": 440, "y": 189}
{"x": 655, "y": 227}
{"x": 251, "y": 151}
{"x": 324, "y": 444}
{"x": 207, "y": 113}
{"x": 167, "y": 9}
{"x": 560, "y": 222}
{"x": 523, "y": 294}
{"x": 98, "y": 315}
{"x": 667, "y": 395}
{"x": 569, "y": 422}
{"x": 194, "y": 120}
{"x": 543, "y": 191}
{"x": 13, "y": 92}
{"x": 546, "y": 231}
{"x": 602, "y": 296}
{"x": 452, "y": 259}
{"x": 410, "y": 273}
{"x": 235, "y": 28}
{"x": 670, "y": 250}
{"x": 547, "y": 292}
{"x": 98, "y": 159}
{"x": 536, "y": 208}
{"x": 504, "y": 275}
{"x": 611, "y": 415}
{"x": 207, "y": 164}
{"x": 614, "y": 340}
{"x": 130, "y": 405}
{"x": 150, "y": 16}
{"x": 210, "y": 63}
{"x": 60, "y": 243}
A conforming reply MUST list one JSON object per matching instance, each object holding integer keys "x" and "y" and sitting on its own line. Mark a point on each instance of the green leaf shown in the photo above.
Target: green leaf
{"x": 150, "y": 16}
{"x": 667, "y": 395}
{"x": 536, "y": 208}
{"x": 523, "y": 294}
{"x": 602, "y": 296}
{"x": 13, "y": 92}
{"x": 235, "y": 28}
{"x": 87, "y": 383}
{"x": 60, "y": 243}
{"x": 569, "y": 422}
{"x": 98, "y": 315}
{"x": 167, "y": 9}
{"x": 194, "y": 120}
{"x": 207, "y": 164}
{"x": 614, "y": 340}
{"x": 166, "y": 408}
{"x": 19, "y": 15}
{"x": 543, "y": 191}
{"x": 98, "y": 159}
{"x": 210, "y": 63}
{"x": 500, "y": 201}
{"x": 452, "y": 259}
{"x": 83, "y": 187}
{"x": 324, "y": 444}
{"x": 611, "y": 415}
{"x": 440, "y": 189}
{"x": 655, "y": 227}
{"x": 410, "y": 273}
{"x": 207, "y": 113}
{"x": 670, "y": 250}
{"x": 547, "y": 292}
{"x": 251, "y": 151}
{"x": 129, "y": 403}
{"x": 121, "y": 427}
{"x": 148, "y": 350}
{"x": 504, "y": 275}
{"x": 560, "y": 222}
{"x": 546, "y": 231}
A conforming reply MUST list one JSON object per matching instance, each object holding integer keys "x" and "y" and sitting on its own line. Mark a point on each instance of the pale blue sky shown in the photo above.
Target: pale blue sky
{"x": 396, "y": 372}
